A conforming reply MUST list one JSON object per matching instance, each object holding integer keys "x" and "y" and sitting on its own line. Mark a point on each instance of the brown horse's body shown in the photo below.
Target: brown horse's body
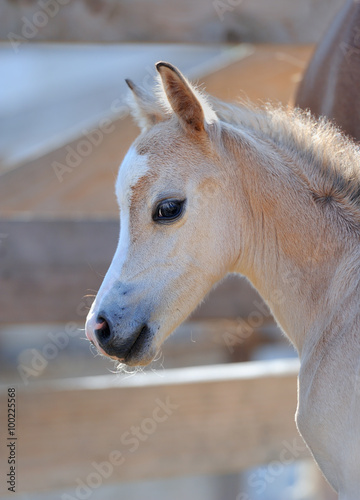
{"x": 331, "y": 85}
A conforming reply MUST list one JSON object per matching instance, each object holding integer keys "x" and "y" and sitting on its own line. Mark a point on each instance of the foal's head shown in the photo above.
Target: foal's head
{"x": 175, "y": 213}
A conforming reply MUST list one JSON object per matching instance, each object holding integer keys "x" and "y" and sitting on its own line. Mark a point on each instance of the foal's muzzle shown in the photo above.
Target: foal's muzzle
{"x": 126, "y": 349}
{"x": 121, "y": 330}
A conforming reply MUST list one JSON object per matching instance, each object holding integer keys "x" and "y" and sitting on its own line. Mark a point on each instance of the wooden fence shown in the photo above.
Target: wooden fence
{"x": 202, "y": 420}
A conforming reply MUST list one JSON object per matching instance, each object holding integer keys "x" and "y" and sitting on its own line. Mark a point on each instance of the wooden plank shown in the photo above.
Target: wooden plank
{"x": 47, "y": 267}
{"x": 202, "y": 420}
{"x": 280, "y": 21}
{"x": 269, "y": 73}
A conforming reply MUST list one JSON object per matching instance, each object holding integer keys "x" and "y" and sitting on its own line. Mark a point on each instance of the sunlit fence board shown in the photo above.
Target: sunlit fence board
{"x": 202, "y": 420}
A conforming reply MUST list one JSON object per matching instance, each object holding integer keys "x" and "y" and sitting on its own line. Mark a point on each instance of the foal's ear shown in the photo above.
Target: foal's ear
{"x": 144, "y": 107}
{"x": 189, "y": 106}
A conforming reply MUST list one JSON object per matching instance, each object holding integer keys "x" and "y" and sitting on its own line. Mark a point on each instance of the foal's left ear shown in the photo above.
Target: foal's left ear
{"x": 189, "y": 106}
{"x": 144, "y": 107}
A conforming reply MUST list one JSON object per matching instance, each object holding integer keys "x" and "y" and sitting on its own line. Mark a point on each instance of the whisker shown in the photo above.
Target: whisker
{"x": 156, "y": 369}
{"x": 93, "y": 350}
{"x": 96, "y": 272}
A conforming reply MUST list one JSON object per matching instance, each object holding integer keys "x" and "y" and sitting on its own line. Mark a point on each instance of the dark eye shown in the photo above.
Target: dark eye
{"x": 168, "y": 210}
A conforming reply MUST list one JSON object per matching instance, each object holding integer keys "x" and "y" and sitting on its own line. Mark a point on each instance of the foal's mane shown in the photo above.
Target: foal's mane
{"x": 327, "y": 160}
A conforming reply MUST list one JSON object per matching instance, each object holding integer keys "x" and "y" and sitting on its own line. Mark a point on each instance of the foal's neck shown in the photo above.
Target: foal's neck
{"x": 290, "y": 250}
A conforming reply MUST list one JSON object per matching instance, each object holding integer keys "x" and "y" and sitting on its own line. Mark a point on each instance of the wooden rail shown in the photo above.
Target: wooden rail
{"x": 202, "y": 420}
{"x": 165, "y": 21}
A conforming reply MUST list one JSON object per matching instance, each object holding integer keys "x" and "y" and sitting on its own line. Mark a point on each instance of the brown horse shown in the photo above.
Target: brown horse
{"x": 331, "y": 85}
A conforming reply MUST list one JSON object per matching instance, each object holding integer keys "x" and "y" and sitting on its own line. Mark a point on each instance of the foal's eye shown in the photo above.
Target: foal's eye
{"x": 168, "y": 210}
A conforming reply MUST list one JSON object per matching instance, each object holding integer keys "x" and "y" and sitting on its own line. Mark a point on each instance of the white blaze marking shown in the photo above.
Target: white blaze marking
{"x": 133, "y": 167}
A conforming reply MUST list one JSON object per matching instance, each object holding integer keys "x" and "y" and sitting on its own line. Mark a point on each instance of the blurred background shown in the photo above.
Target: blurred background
{"x": 64, "y": 129}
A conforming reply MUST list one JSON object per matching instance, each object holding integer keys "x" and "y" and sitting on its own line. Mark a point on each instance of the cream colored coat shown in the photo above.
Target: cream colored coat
{"x": 266, "y": 193}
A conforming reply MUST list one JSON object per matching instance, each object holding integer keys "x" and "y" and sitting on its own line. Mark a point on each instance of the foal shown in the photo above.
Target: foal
{"x": 209, "y": 189}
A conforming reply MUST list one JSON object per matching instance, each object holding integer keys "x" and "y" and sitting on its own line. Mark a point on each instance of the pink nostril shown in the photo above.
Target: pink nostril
{"x": 102, "y": 331}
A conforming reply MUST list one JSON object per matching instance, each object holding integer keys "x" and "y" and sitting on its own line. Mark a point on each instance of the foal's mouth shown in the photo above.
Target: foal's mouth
{"x": 134, "y": 350}
{"x": 137, "y": 346}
